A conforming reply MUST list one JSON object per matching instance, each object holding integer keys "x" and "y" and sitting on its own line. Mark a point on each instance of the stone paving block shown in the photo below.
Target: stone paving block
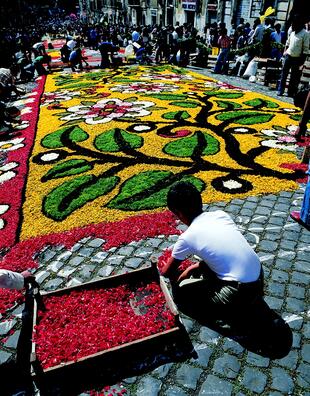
{"x": 144, "y": 252}
{"x": 209, "y": 336}
{"x": 303, "y": 375}
{"x": 295, "y": 321}
{"x": 73, "y": 282}
{"x": 279, "y": 276}
{"x": 259, "y": 220}
{"x": 106, "y": 271}
{"x": 47, "y": 255}
{"x": 295, "y": 305}
{"x": 99, "y": 257}
{"x": 148, "y": 386}
{"x": 237, "y": 201}
{"x": 66, "y": 272}
{"x": 249, "y": 205}
{"x": 53, "y": 284}
{"x": 257, "y": 360}
{"x": 75, "y": 261}
{"x": 303, "y": 255}
{"x": 305, "y": 353}
{"x": 276, "y": 220}
{"x": 287, "y": 254}
{"x": 306, "y": 330}
{"x": 267, "y": 246}
{"x": 273, "y": 302}
{"x": 204, "y": 352}
{"x": 302, "y": 266}
{"x": 296, "y": 340}
{"x": 76, "y": 247}
{"x": 4, "y": 356}
{"x": 63, "y": 256}
{"x": 188, "y": 324}
{"x": 267, "y": 259}
{"x": 175, "y": 391}
{"x": 86, "y": 252}
{"x": 291, "y": 235}
{"x": 282, "y": 207}
{"x": 233, "y": 347}
{"x": 153, "y": 242}
{"x": 115, "y": 260}
{"x": 55, "y": 266}
{"x": 130, "y": 380}
{"x": 266, "y": 202}
{"x": 290, "y": 361}
{"x": 125, "y": 250}
{"x": 286, "y": 194}
{"x": 283, "y": 264}
{"x": 86, "y": 271}
{"x": 133, "y": 262}
{"x": 41, "y": 276}
{"x": 96, "y": 243}
{"x": 12, "y": 340}
{"x": 281, "y": 380}
{"x": 188, "y": 376}
{"x": 252, "y": 199}
{"x": 233, "y": 209}
{"x": 163, "y": 370}
{"x": 262, "y": 210}
{"x": 173, "y": 238}
{"x": 288, "y": 245}
{"x": 228, "y": 366}
{"x": 246, "y": 212}
{"x": 18, "y": 311}
{"x": 254, "y": 380}
{"x": 305, "y": 238}
{"x": 166, "y": 245}
{"x": 269, "y": 236}
{"x": 215, "y": 386}
{"x": 6, "y": 326}
{"x": 256, "y": 227}
{"x": 276, "y": 288}
{"x": 300, "y": 278}
{"x": 296, "y": 291}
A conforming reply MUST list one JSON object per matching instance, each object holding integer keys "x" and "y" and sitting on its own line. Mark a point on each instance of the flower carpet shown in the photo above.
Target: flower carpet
{"x": 99, "y": 154}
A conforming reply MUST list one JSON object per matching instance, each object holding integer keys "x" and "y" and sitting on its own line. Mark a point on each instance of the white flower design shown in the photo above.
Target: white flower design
{"x": 168, "y": 77}
{"x": 283, "y": 140}
{"x": 3, "y": 209}
{"x": 232, "y": 184}
{"x": 49, "y": 157}
{"x": 56, "y": 97}
{"x": 145, "y": 87}
{"x": 12, "y": 145}
{"x": 22, "y": 102}
{"x": 106, "y": 110}
{"x": 6, "y": 172}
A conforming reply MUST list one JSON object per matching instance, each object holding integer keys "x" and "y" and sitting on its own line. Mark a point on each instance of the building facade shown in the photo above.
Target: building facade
{"x": 197, "y": 12}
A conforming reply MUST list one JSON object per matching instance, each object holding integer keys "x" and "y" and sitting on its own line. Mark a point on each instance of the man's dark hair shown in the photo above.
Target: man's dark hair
{"x": 185, "y": 198}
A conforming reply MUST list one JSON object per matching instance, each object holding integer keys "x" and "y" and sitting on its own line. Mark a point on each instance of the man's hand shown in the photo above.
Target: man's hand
{"x": 28, "y": 278}
{"x": 170, "y": 268}
{"x": 186, "y": 274}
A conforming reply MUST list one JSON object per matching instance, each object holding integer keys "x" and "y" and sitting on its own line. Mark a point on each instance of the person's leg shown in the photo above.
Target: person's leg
{"x": 285, "y": 70}
{"x": 295, "y": 77}
{"x": 219, "y": 62}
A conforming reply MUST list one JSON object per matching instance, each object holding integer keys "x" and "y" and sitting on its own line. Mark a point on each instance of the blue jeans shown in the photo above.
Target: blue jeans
{"x": 221, "y": 60}
{"x": 305, "y": 208}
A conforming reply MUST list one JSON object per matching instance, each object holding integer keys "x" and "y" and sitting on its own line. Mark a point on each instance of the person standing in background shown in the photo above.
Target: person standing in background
{"x": 297, "y": 49}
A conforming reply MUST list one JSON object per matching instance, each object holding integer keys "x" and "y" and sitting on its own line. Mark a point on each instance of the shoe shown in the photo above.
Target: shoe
{"x": 295, "y": 215}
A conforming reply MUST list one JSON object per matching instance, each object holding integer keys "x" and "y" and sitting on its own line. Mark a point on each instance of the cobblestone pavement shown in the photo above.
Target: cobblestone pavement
{"x": 243, "y": 83}
{"x": 223, "y": 366}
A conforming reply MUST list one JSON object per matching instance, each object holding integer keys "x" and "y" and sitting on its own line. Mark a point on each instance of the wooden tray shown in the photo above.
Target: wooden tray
{"x": 119, "y": 353}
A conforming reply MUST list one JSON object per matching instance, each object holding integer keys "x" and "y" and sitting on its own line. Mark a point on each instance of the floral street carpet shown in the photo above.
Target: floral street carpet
{"x": 107, "y": 145}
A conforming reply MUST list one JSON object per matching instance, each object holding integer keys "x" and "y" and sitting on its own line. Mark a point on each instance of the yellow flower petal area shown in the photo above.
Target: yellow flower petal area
{"x": 203, "y": 130}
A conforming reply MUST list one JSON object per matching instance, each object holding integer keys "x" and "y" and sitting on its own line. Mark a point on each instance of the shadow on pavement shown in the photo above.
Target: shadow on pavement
{"x": 259, "y": 329}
